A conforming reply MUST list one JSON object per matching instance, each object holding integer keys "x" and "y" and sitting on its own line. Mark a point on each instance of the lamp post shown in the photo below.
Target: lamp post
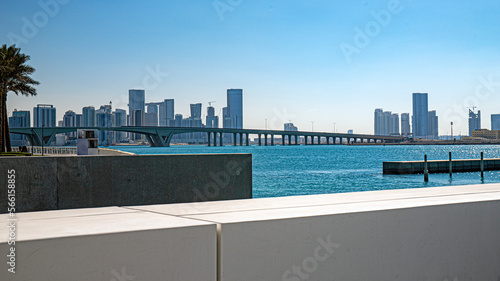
{"x": 451, "y": 130}
{"x": 312, "y": 126}
{"x": 42, "y": 138}
{"x": 334, "y": 126}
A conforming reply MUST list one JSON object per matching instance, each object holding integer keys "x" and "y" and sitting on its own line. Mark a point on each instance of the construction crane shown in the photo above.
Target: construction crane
{"x": 473, "y": 108}
{"x": 210, "y": 103}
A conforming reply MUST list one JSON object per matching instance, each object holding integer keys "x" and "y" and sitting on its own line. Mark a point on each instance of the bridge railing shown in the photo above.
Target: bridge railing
{"x": 49, "y": 150}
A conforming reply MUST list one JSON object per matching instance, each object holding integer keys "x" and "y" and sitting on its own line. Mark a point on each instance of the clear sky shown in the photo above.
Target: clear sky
{"x": 323, "y": 61}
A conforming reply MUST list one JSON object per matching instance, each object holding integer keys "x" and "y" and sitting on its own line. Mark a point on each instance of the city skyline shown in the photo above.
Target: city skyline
{"x": 296, "y": 72}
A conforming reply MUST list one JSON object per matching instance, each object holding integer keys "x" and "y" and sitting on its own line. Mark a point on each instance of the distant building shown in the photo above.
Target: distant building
{"x": 394, "y": 124}
{"x": 474, "y": 121}
{"x": 378, "y": 121}
{"x": 487, "y": 134}
{"x": 19, "y": 119}
{"x": 350, "y": 132}
{"x": 166, "y": 113}
{"x": 420, "y": 116}
{"x": 69, "y": 121}
{"x": 88, "y": 116}
{"x": 235, "y": 108}
{"x": 495, "y": 121}
{"x": 405, "y": 124}
{"x": 432, "y": 125}
{"x": 290, "y": 127}
{"x": 151, "y": 119}
{"x": 212, "y": 121}
{"x": 104, "y": 118}
{"x": 386, "y": 123}
{"x": 44, "y": 115}
{"x": 137, "y": 118}
{"x": 136, "y": 101}
{"x": 119, "y": 120}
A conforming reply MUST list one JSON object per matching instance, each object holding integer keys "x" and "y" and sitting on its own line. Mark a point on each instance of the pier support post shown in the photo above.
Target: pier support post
{"x": 482, "y": 165}
{"x": 451, "y": 165}
{"x": 426, "y": 169}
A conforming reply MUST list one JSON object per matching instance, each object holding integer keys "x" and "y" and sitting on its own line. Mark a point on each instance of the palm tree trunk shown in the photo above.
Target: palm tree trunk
{"x": 2, "y": 146}
{"x": 6, "y": 126}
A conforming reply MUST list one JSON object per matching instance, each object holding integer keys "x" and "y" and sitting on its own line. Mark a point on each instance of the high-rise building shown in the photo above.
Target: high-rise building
{"x": 394, "y": 124}
{"x": 88, "y": 116}
{"x": 474, "y": 121}
{"x": 495, "y": 122}
{"x": 19, "y": 119}
{"x": 119, "y": 120}
{"x": 152, "y": 114}
{"x": 137, "y": 118}
{"x": 69, "y": 120}
{"x": 420, "y": 115}
{"x": 212, "y": 121}
{"x": 432, "y": 125}
{"x": 136, "y": 101}
{"x": 166, "y": 113}
{"x": 386, "y": 123}
{"x": 235, "y": 107}
{"x": 178, "y": 120}
{"x": 290, "y": 127}
{"x": 405, "y": 124}
{"x": 104, "y": 118}
{"x": 195, "y": 111}
{"x": 44, "y": 115}
{"x": 378, "y": 121}
{"x": 151, "y": 119}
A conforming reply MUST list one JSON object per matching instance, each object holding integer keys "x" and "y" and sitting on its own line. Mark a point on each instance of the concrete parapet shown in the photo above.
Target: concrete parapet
{"x": 68, "y": 182}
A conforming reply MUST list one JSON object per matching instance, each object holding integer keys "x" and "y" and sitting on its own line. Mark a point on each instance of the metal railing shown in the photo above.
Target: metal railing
{"x": 50, "y": 150}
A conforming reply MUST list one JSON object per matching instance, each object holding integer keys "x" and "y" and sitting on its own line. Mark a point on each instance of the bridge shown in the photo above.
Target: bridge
{"x": 162, "y": 136}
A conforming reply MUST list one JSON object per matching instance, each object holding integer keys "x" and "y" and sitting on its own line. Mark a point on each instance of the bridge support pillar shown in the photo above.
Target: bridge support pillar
{"x": 260, "y": 141}
{"x": 234, "y": 139}
{"x": 265, "y": 139}
{"x": 221, "y": 139}
{"x": 272, "y": 139}
{"x": 209, "y": 134}
{"x": 247, "y": 139}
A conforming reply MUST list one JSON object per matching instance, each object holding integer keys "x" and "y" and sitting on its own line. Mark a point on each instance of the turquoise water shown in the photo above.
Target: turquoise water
{"x": 300, "y": 170}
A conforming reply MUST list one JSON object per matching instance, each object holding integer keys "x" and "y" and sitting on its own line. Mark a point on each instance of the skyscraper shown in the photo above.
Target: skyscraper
{"x": 405, "y": 124}
{"x": 386, "y": 123}
{"x": 432, "y": 125}
{"x": 378, "y": 121}
{"x": 136, "y": 101}
{"x": 394, "y": 124}
{"x": 235, "y": 107}
{"x": 195, "y": 111}
{"x": 44, "y": 115}
{"x": 474, "y": 121}
{"x": 166, "y": 113}
{"x": 420, "y": 115}
{"x": 495, "y": 121}
{"x": 88, "y": 116}
{"x": 119, "y": 120}
{"x": 19, "y": 119}
{"x": 69, "y": 120}
{"x": 212, "y": 121}
{"x": 104, "y": 118}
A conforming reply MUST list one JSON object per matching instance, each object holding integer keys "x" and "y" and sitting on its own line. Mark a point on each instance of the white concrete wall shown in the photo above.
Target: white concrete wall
{"x": 446, "y": 233}
{"x": 110, "y": 244}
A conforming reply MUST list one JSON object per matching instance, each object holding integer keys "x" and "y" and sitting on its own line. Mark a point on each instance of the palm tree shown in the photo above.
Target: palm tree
{"x": 14, "y": 77}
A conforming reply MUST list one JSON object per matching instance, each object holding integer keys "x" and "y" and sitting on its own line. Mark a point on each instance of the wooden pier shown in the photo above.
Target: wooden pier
{"x": 439, "y": 166}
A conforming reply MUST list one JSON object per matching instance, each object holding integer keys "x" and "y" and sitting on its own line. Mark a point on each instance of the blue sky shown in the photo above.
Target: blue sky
{"x": 285, "y": 55}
